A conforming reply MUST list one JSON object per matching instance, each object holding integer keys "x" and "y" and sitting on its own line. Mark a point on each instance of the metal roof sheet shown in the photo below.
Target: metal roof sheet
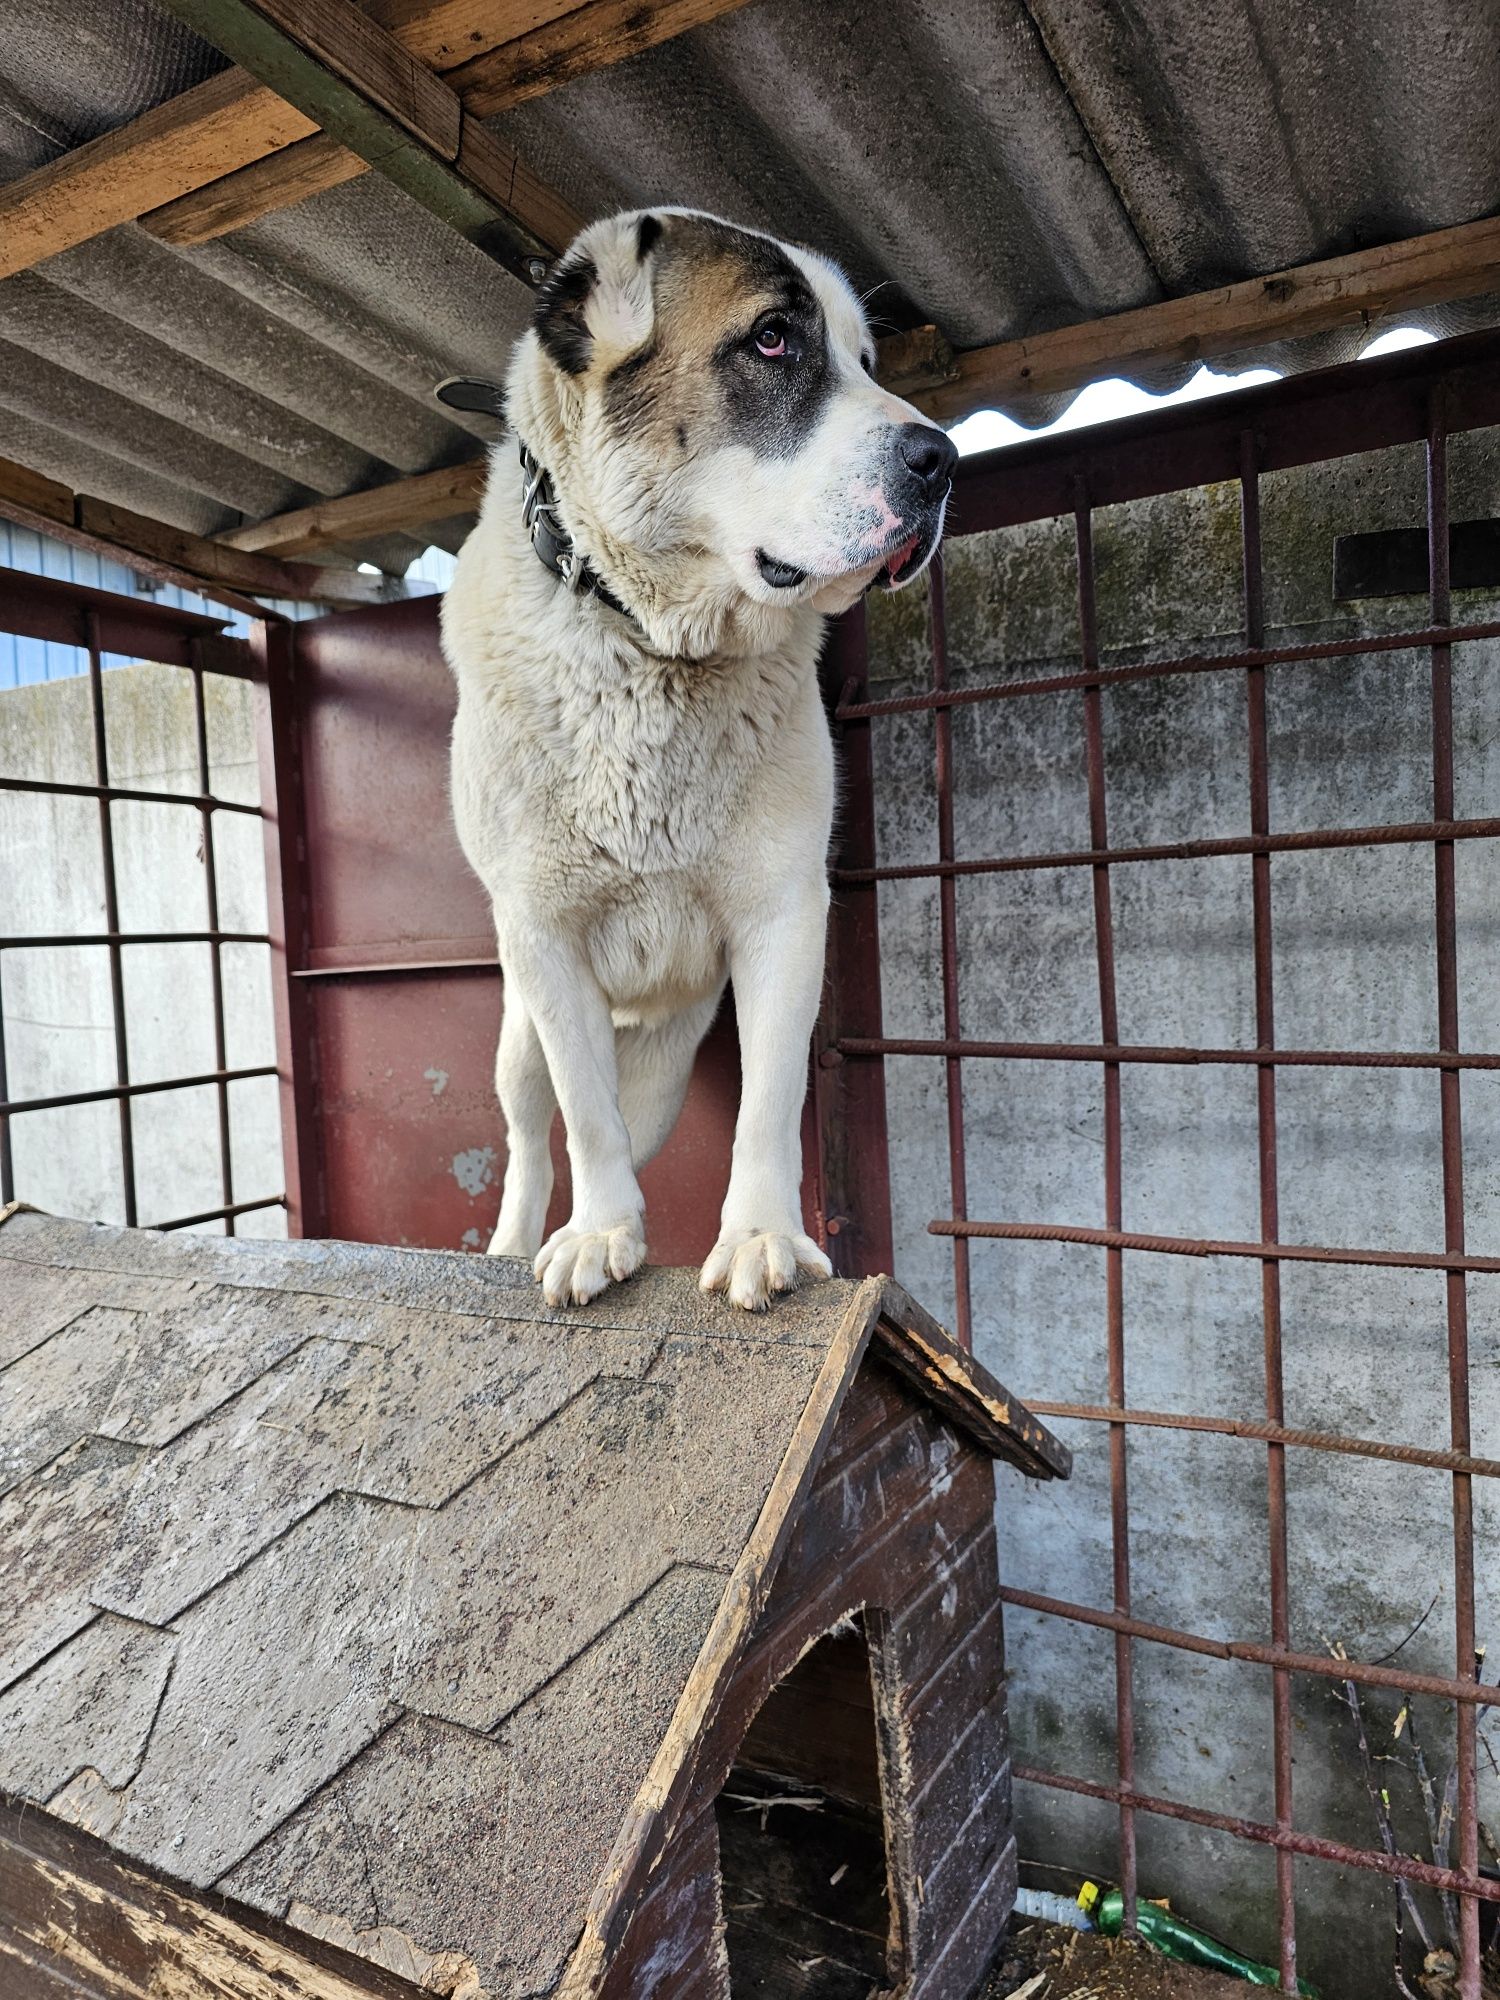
{"x": 992, "y": 166}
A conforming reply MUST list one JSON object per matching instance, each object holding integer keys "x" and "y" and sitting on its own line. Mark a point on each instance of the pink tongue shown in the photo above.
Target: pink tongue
{"x": 900, "y": 559}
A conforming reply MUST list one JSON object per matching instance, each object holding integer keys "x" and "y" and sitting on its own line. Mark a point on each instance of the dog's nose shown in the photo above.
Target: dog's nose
{"x": 930, "y": 455}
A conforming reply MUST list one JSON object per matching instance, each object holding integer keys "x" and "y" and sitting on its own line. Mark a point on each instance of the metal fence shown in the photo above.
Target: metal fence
{"x": 54, "y": 612}
{"x": 1416, "y": 398}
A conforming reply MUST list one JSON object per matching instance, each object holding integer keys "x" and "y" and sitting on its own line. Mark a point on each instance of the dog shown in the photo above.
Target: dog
{"x": 700, "y": 469}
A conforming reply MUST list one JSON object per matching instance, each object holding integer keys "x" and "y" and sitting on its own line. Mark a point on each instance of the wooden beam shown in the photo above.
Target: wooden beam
{"x": 173, "y": 555}
{"x": 1355, "y": 290}
{"x": 185, "y": 143}
{"x": 230, "y": 150}
{"x": 588, "y": 38}
{"x": 503, "y": 56}
{"x": 219, "y": 128}
{"x": 355, "y": 82}
{"x": 399, "y": 505}
{"x": 279, "y": 181}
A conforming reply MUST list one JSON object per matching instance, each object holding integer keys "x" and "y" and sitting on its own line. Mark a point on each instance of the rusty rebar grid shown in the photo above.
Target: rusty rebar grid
{"x": 1270, "y": 431}
{"x": 1188, "y": 663}
{"x": 225, "y": 1215}
{"x": 1114, "y": 1266}
{"x": 1312, "y": 841}
{"x": 958, "y": 1178}
{"x": 1449, "y": 1083}
{"x": 215, "y": 949}
{"x": 112, "y": 918}
{"x": 1148, "y": 1052}
{"x": 1270, "y": 1271}
{"x": 99, "y": 622}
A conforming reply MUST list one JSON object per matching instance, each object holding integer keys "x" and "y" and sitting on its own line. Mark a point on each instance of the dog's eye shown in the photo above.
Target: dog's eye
{"x": 773, "y": 339}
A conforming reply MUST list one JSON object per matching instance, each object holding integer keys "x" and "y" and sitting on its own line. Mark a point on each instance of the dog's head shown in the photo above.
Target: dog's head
{"x": 705, "y": 400}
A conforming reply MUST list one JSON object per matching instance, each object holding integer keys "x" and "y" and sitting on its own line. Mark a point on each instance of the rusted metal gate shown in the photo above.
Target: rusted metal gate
{"x": 102, "y": 624}
{"x": 1419, "y": 397}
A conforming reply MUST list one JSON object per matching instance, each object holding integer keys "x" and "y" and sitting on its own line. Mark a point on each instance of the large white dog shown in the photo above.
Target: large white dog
{"x": 700, "y": 468}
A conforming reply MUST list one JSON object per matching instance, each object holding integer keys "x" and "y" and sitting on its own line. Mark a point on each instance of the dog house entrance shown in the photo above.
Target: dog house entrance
{"x": 802, "y": 1836}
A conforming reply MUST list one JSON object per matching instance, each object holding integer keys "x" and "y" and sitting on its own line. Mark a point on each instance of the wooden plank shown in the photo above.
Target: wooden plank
{"x": 651, "y": 1820}
{"x": 231, "y": 123}
{"x": 348, "y": 43}
{"x": 210, "y": 130}
{"x": 345, "y": 73}
{"x": 261, "y": 576}
{"x": 278, "y": 181}
{"x": 495, "y": 56}
{"x": 34, "y": 493}
{"x": 966, "y": 1393}
{"x": 1354, "y": 290}
{"x": 442, "y": 35}
{"x": 101, "y": 1928}
{"x": 379, "y": 510}
{"x": 234, "y": 577}
{"x": 589, "y": 38}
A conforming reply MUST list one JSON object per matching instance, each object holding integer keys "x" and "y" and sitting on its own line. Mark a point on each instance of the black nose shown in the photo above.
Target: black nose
{"x": 931, "y": 455}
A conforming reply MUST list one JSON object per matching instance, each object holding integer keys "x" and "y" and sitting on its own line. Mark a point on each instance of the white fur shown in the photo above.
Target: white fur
{"x": 650, "y": 812}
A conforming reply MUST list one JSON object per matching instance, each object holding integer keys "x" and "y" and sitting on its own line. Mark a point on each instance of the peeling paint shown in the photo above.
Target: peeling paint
{"x": 438, "y": 1078}
{"x": 472, "y": 1240}
{"x": 474, "y": 1170}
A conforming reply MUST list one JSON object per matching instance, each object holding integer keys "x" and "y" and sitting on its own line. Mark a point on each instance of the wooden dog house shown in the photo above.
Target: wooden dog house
{"x": 373, "y": 1630}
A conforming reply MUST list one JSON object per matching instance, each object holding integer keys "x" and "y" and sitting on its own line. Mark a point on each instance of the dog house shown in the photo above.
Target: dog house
{"x": 374, "y": 1630}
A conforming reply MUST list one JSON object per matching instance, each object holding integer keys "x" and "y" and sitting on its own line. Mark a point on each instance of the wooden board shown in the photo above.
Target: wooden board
{"x": 183, "y": 163}
{"x": 1355, "y": 290}
{"x": 232, "y": 576}
{"x": 354, "y": 81}
{"x": 188, "y": 141}
{"x": 400, "y": 504}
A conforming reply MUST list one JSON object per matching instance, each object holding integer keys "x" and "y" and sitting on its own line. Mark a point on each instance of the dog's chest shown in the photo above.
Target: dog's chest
{"x": 652, "y": 774}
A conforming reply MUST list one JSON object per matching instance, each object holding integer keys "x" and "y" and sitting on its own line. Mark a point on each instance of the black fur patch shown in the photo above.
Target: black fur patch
{"x": 559, "y": 315}
{"x": 630, "y": 394}
{"x": 647, "y": 236}
{"x": 772, "y": 405}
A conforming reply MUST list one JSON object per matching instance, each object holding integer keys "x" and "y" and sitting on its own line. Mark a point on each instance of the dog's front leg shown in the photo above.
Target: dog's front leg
{"x": 604, "y": 1237}
{"x": 776, "y": 965}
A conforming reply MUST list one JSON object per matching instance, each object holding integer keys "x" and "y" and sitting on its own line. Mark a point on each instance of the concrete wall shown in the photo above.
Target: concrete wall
{"x": 1359, "y": 1161}
{"x": 58, "y": 1023}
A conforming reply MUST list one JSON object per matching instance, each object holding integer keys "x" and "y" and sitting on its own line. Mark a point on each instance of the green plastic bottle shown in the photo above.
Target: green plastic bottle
{"x": 1175, "y": 1939}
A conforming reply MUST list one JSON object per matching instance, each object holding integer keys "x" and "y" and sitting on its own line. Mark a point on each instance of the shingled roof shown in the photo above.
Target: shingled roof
{"x": 356, "y": 1584}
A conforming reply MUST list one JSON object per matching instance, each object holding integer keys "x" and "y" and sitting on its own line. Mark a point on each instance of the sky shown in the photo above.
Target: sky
{"x": 1102, "y": 402}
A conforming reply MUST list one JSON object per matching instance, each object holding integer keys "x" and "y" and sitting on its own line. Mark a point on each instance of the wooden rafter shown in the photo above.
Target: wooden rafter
{"x": 507, "y": 55}
{"x": 356, "y": 84}
{"x": 399, "y": 505}
{"x": 1355, "y": 290}
{"x": 229, "y": 150}
{"x": 232, "y": 576}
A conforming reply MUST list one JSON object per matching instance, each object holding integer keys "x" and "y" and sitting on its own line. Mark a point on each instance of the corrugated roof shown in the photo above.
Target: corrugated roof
{"x": 994, "y": 167}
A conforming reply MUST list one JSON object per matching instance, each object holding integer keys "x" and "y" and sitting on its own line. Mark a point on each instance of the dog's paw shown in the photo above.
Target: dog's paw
{"x": 750, "y": 1265}
{"x": 577, "y": 1264}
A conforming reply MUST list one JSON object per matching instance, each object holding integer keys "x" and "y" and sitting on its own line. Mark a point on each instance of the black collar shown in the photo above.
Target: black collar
{"x": 551, "y": 540}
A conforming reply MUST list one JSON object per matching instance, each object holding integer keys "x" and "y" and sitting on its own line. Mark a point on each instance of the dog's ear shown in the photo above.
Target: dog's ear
{"x": 596, "y": 305}
{"x": 462, "y": 392}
